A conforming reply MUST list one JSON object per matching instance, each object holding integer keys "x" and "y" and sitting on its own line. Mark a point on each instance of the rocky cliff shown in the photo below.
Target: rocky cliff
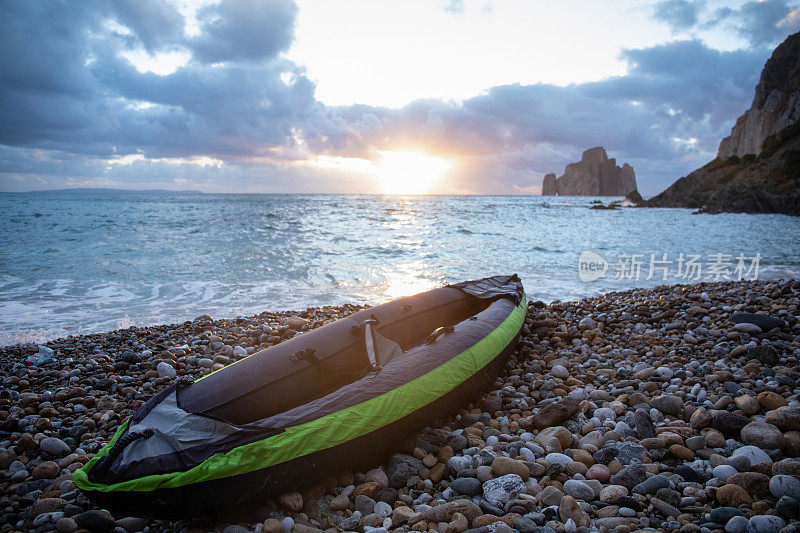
{"x": 776, "y": 104}
{"x": 757, "y": 169}
{"x": 594, "y": 175}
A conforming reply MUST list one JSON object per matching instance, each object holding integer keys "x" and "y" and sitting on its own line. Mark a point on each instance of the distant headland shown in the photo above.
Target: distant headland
{"x": 95, "y": 190}
{"x": 757, "y": 169}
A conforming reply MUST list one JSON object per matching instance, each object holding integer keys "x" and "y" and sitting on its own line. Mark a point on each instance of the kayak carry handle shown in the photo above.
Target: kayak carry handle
{"x": 369, "y": 342}
{"x": 438, "y": 332}
{"x": 361, "y": 326}
{"x": 105, "y": 463}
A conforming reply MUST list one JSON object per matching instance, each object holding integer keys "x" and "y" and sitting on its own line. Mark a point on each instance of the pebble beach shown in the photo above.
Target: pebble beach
{"x": 674, "y": 408}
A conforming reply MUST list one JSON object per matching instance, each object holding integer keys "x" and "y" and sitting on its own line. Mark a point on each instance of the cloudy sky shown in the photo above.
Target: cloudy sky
{"x": 437, "y": 96}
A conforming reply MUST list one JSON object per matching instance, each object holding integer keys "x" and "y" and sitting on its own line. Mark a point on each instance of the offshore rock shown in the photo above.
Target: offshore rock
{"x": 549, "y": 187}
{"x": 594, "y": 175}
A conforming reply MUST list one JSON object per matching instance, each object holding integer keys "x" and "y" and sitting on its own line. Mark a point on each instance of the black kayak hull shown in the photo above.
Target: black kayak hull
{"x": 355, "y": 426}
{"x": 370, "y": 449}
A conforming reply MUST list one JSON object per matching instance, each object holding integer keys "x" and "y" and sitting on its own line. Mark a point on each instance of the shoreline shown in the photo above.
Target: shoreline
{"x": 651, "y": 385}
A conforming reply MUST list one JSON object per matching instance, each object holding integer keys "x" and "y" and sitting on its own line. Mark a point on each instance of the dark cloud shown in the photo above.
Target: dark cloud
{"x": 155, "y": 24}
{"x": 243, "y": 29}
{"x": 679, "y": 14}
{"x": 70, "y": 101}
{"x": 43, "y": 50}
{"x": 688, "y": 80}
{"x": 760, "y": 22}
{"x": 67, "y": 87}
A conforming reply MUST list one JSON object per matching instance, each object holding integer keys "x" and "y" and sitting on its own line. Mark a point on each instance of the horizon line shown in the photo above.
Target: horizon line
{"x": 195, "y": 191}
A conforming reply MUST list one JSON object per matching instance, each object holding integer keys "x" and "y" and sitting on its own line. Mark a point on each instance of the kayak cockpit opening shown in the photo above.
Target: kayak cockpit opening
{"x": 316, "y": 363}
{"x": 313, "y": 365}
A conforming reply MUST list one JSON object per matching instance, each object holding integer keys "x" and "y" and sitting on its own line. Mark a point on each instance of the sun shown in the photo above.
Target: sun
{"x": 408, "y": 172}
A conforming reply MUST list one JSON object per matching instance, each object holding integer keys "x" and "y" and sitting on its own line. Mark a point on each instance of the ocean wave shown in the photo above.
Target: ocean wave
{"x": 169, "y": 258}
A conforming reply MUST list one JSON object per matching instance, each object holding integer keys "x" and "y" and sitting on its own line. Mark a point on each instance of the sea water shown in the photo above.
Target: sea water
{"x": 88, "y": 262}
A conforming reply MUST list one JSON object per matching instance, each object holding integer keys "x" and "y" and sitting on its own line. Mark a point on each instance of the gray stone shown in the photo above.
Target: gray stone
{"x": 579, "y": 490}
{"x": 466, "y": 485}
{"x": 721, "y": 515}
{"x": 401, "y": 468}
{"x": 630, "y": 452}
{"x": 746, "y": 327}
{"x": 765, "y": 524}
{"x": 668, "y": 404}
{"x": 783, "y": 485}
{"x": 739, "y": 462}
{"x": 723, "y": 472}
{"x": 788, "y": 508}
{"x": 364, "y": 504}
{"x": 66, "y": 525}
{"x": 166, "y": 370}
{"x": 501, "y": 490}
{"x": 763, "y": 435}
{"x": 630, "y": 476}
{"x": 605, "y": 413}
{"x": 765, "y": 354}
{"x": 383, "y": 509}
{"x": 753, "y": 454}
{"x": 238, "y": 351}
{"x": 730, "y": 424}
{"x": 524, "y": 524}
{"x": 672, "y": 497}
{"x": 605, "y": 455}
{"x": 765, "y": 322}
{"x": 644, "y": 424}
{"x": 651, "y": 485}
{"x": 95, "y": 521}
{"x": 664, "y": 508}
{"x": 558, "y": 458}
{"x": 737, "y": 524}
{"x": 55, "y": 447}
{"x": 132, "y": 523}
{"x": 457, "y": 463}
{"x": 550, "y": 496}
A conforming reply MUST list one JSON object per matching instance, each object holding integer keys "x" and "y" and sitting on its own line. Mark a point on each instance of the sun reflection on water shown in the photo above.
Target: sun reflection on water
{"x": 410, "y": 280}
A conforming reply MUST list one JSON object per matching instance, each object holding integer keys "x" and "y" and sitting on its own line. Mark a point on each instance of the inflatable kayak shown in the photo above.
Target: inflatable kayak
{"x": 332, "y": 399}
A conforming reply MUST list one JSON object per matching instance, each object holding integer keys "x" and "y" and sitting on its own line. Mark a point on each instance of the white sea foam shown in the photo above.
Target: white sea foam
{"x": 160, "y": 259}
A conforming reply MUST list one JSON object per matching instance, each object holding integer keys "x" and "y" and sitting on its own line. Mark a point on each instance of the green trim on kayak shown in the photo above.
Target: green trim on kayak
{"x": 330, "y": 430}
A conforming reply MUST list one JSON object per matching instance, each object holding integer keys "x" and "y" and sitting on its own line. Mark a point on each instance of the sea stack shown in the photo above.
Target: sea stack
{"x": 594, "y": 175}
{"x": 549, "y": 185}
